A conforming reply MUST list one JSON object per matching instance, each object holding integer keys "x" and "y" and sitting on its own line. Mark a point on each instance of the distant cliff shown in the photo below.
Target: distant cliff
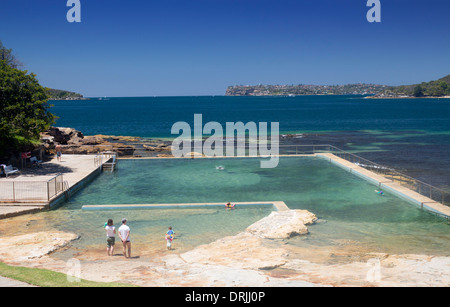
{"x": 438, "y": 88}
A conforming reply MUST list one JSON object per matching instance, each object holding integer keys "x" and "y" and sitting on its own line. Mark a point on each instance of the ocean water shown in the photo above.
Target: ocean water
{"x": 154, "y": 116}
{"x": 409, "y": 135}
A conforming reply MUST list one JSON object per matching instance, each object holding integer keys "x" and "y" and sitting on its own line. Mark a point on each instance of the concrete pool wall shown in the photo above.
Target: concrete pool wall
{"x": 389, "y": 185}
{"x": 277, "y": 205}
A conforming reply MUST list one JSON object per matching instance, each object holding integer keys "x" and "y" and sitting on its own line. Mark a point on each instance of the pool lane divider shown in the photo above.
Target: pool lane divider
{"x": 277, "y": 205}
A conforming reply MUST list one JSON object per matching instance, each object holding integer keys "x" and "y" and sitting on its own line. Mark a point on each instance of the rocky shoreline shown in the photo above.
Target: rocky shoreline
{"x": 73, "y": 141}
{"x": 260, "y": 256}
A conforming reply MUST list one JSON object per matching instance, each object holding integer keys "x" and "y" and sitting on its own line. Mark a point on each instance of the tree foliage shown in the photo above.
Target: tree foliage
{"x": 418, "y": 91}
{"x": 437, "y": 88}
{"x": 23, "y": 108}
{"x": 8, "y": 56}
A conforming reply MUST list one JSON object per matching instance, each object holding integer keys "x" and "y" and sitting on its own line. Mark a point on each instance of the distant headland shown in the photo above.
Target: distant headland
{"x": 63, "y": 95}
{"x": 433, "y": 89}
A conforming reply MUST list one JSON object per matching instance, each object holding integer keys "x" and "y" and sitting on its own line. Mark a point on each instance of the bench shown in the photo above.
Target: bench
{"x": 8, "y": 170}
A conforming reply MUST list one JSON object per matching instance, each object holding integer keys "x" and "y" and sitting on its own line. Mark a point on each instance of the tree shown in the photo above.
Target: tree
{"x": 418, "y": 91}
{"x": 7, "y": 56}
{"x": 23, "y": 109}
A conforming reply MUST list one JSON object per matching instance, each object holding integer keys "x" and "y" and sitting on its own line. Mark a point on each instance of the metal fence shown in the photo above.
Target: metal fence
{"x": 31, "y": 191}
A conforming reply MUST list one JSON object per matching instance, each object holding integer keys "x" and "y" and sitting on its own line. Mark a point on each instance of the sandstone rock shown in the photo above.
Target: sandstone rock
{"x": 121, "y": 149}
{"x": 241, "y": 251}
{"x": 247, "y": 250}
{"x": 124, "y": 150}
{"x": 64, "y": 135}
{"x": 164, "y": 155}
{"x": 194, "y": 154}
{"x": 119, "y": 138}
{"x": 159, "y": 147}
{"x": 74, "y": 142}
{"x": 35, "y": 245}
{"x": 283, "y": 224}
{"x": 92, "y": 140}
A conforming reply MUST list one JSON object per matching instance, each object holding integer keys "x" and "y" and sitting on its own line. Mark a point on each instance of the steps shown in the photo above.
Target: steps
{"x": 110, "y": 165}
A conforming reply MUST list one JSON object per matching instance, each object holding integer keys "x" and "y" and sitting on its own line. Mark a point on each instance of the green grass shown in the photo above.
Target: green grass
{"x": 47, "y": 278}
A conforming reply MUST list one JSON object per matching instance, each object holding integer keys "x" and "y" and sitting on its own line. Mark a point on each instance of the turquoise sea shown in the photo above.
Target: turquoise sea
{"x": 154, "y": 116}
{"x": 410, "y": 135}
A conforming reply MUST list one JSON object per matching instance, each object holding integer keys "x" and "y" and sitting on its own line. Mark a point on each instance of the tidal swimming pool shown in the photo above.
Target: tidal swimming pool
{"x": 346, "y": 205}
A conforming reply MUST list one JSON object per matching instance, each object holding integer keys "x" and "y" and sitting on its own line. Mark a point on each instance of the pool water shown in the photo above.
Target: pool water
{"x": 347, "y": 206}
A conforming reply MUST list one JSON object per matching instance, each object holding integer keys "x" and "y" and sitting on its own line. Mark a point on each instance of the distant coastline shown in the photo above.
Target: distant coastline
{"x": 55, "y": 94}
{"x": 69, "y": 98}
{"x": 304, "y": 90}
{"x": 433, "y": 89}
{"x": 408, "y": 97}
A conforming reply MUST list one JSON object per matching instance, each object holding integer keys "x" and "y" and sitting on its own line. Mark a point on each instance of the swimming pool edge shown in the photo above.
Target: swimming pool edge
{"x": 388, "y": 185}
{"x": 277, "y": 205}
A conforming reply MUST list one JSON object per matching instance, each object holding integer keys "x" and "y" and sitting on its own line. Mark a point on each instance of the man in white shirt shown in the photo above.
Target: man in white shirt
{"x": 124, "y": 234}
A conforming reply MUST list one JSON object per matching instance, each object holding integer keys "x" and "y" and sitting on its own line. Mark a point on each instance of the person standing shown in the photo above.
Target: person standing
{"x": 124, "y": 234}
{"x": 110, "y": 237}
{"x": 58, "y": 152}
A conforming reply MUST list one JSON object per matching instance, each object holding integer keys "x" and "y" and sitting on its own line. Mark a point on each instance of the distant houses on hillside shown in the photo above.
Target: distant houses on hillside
{"x": 438, "y": 88}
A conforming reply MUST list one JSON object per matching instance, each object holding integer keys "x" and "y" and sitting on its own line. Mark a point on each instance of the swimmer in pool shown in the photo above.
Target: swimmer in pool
{"x": 229, "y": 206}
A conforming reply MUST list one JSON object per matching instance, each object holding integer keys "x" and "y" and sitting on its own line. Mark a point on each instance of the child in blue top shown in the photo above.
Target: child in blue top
{"x": 169, "y": 237}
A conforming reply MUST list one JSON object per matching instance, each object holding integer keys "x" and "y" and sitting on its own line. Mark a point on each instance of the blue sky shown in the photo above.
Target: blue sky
{"x": 199, "y": 47}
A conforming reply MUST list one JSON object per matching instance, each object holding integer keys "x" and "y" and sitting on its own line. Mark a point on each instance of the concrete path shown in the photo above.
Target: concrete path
{"x": 74, "y": 169}
{"x": 11, "y": 210}
{"x": 6, "y": 282}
